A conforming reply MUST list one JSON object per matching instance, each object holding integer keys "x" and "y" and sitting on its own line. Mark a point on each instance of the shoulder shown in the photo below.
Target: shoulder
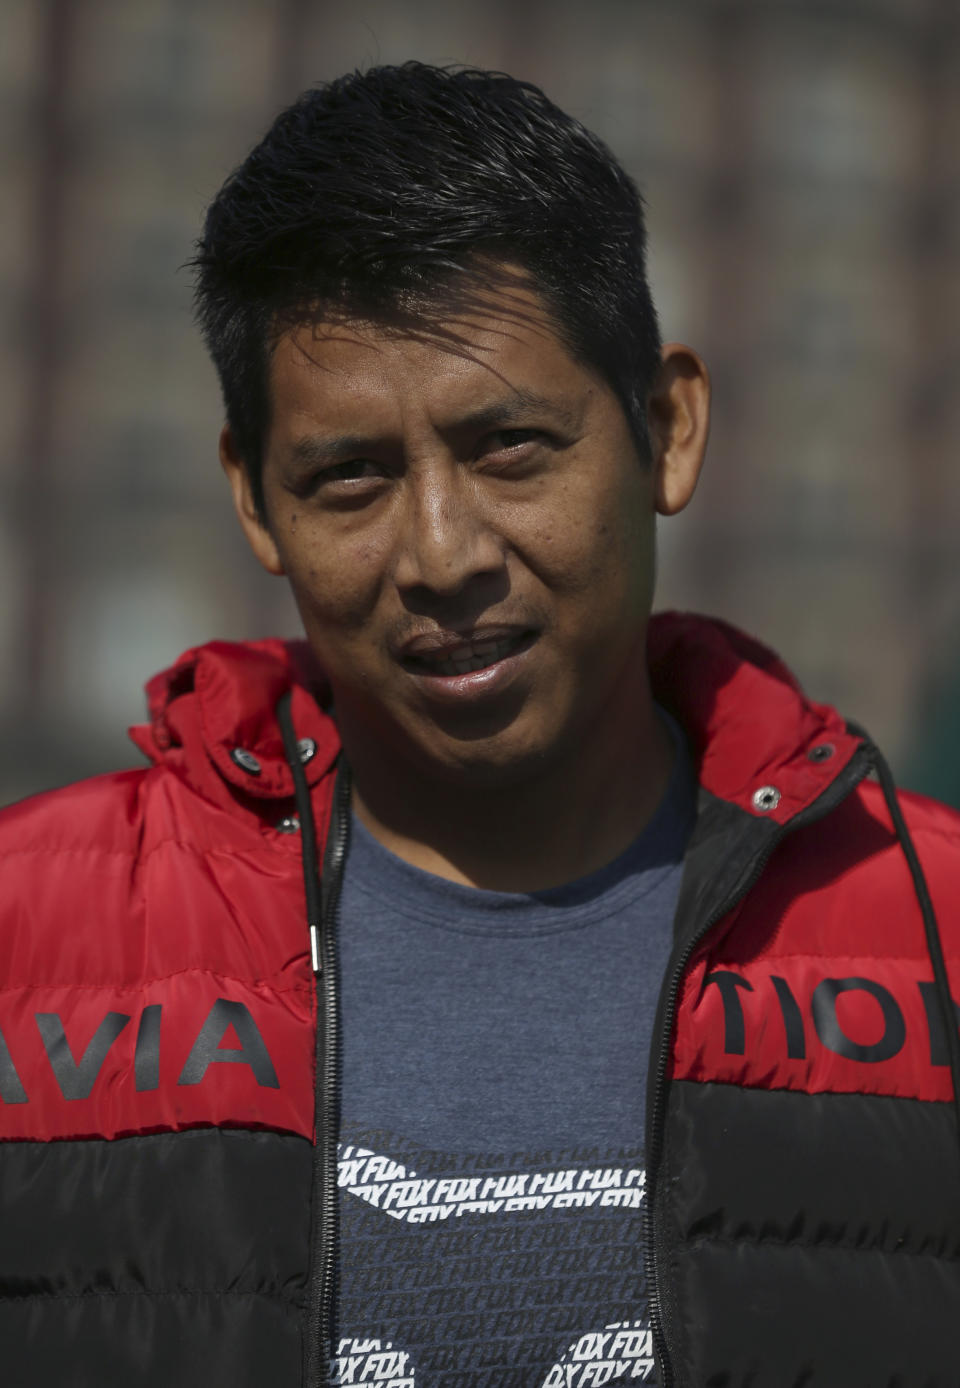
{"x": 69, "y": 861}
{"x": 126, "y": 815}
{"x": 135, "y": 871}
{"x": 861, "y": 829}
{"x": 934, "y": 822}
{"x": 850, "y": 868}
{"x": 97, "y": 815}
{"x": 934, "y": 829}
{"x": 115, "y": 822}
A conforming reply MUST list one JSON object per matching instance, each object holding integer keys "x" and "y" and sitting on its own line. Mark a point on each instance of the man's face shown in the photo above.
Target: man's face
{"x": 469, "y": 536}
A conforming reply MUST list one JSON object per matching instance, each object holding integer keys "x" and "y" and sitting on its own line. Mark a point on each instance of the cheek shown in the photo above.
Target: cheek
{"x": 336, "y": 584}
{"x": 596, "y": 546}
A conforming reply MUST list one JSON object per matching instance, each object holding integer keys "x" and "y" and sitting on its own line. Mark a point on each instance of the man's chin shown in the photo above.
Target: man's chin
{"x": 498, "y": 744}
{"x": 499, "y": 759}
{"x": 489, "y": 727}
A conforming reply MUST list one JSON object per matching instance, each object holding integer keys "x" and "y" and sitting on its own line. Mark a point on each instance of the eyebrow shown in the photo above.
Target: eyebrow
{"x": 317, "y": 450}
{"x": 517, "y": 406}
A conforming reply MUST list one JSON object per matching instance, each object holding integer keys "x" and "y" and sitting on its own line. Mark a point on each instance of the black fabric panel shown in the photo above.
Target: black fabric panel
{"x": 814, "y": 1239}
{"x": 724, "y": 848}
{"x": 862, "y": 1171}
{"x": 724, "y": 851}
{"x": 722, "y": 854}
{"x": 774, "y": 1316}
{"x": 209, "y": 1210}
{"x": 145, "y": 1341}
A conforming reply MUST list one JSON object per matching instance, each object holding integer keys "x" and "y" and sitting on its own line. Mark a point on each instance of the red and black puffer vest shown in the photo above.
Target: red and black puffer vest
{"x": 168, "y": 1099}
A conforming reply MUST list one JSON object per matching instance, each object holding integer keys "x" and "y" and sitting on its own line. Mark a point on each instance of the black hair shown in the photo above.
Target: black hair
{"x": 375, "y": 195}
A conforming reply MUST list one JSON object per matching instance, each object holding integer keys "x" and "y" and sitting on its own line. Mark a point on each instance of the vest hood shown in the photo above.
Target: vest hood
{"x": 756, "y": 739}
{"x": 213, "y": 720}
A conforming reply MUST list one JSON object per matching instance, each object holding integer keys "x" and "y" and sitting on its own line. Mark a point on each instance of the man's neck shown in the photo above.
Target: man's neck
{"x": 570, "y": 820}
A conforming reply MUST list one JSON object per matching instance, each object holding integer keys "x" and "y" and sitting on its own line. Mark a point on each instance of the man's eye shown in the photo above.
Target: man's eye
{"x": 352, "y": 470}
{"x": 506, "y": 440}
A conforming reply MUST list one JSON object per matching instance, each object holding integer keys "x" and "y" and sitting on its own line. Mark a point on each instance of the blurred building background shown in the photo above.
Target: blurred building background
{"x": 800, "y": 163}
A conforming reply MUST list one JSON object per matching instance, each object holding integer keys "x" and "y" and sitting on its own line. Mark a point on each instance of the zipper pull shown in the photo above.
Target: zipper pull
{"x": 315, "y": 949}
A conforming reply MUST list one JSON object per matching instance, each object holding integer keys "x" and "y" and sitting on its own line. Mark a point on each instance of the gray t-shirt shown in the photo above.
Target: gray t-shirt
{"x": 495, "y": 1049}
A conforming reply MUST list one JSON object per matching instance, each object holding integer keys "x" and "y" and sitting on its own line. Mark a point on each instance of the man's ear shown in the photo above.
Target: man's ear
{"x": 258, "y": 535}
{"x": 678, "y": 419}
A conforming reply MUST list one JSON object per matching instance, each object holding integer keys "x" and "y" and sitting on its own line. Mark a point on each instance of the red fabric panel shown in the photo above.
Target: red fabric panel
{"x": 835, "y": 902}
{"x": 230, "y": 1093}
{"x": 119, "y": 881}
{"x": 707, "y": 1018}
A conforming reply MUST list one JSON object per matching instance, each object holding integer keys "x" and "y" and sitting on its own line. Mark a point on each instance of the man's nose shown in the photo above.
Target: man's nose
{"x": 448, "y": 536}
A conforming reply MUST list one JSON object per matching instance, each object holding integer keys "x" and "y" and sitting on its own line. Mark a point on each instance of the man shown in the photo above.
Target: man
{"x": 501, "y": 988}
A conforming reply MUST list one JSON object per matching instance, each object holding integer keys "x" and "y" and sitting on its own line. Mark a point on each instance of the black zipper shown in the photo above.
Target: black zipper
{"x": 323, "y": 1233}
{"x": 854, "y": 772}
{"x": 322, "y": 894}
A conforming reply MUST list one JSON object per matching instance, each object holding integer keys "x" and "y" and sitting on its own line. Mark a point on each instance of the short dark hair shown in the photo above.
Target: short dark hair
{"x": 385, "y": 187}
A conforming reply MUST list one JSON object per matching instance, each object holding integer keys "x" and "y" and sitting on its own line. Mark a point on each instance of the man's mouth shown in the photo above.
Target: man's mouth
{"x": 450, "y": 658}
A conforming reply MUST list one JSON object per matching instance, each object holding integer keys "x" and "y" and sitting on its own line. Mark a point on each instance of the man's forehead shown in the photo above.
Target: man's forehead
{"x": 491, "y": 369}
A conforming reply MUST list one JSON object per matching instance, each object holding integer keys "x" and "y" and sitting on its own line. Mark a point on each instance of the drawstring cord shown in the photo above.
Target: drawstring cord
{"x": 930, "y": 926}
{"x": 308, "y": 833}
